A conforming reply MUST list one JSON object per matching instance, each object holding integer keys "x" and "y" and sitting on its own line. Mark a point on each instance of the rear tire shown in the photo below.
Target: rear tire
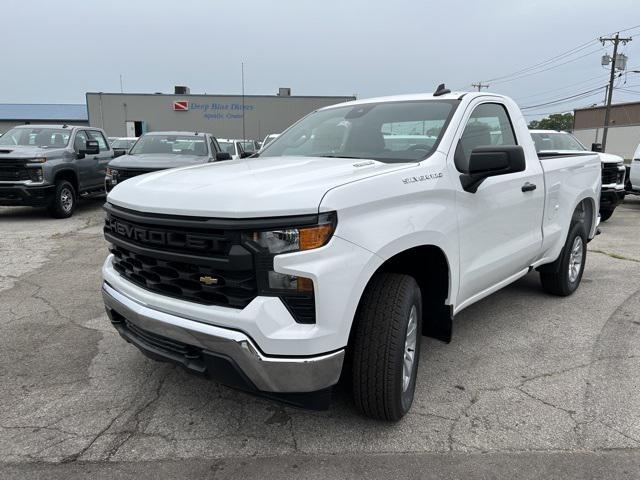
{"x": 563, "y": 278}
{"x": 63, "y": 203}
{"x": 605, "y": 215}
{"x": 386, "y": 347}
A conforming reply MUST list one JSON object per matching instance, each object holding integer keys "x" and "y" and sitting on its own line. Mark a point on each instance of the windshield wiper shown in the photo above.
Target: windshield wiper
{"x": 340, "y": 156}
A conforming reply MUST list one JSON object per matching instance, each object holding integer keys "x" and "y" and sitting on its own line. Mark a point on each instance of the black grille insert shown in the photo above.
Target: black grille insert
{"x": 126, "y": 173}
{"x": 185, "y": 280}
{"x": 13, "y": 172}
{"x": 611, "y": 174}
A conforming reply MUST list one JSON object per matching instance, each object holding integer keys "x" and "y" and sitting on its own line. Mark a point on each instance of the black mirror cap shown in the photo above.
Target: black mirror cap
{"x": 246, "y": 154}
{"x": 596, "y": 147}
{"x": 492, "y": 160}
{"x": 223, "y": 156}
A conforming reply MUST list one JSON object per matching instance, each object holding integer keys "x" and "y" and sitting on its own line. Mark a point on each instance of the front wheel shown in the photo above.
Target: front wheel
{"x": 386, "y": 347}
{"x": 64, "y": 200}
{"x": 605, "y": 215}
{"x": 564, "y": 278}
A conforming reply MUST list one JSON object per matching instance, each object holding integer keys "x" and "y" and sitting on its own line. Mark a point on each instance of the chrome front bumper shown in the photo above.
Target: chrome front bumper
{"x": 266, "y": 373}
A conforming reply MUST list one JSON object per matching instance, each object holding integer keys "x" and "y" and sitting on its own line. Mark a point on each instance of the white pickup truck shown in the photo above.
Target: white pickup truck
{"x": 336, "y": 249}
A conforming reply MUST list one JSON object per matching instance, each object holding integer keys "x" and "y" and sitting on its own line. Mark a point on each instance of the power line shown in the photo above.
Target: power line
{"x": 599, "y": 78}
{"x": 564, "y": 99}
{"x": 545, "y": 62}
{"x": 599, "y": 49}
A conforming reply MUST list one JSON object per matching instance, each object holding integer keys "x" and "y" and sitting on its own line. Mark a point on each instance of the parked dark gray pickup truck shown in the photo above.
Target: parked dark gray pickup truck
{"x": 162, "y": 150}
{"x": 52, "y": 166}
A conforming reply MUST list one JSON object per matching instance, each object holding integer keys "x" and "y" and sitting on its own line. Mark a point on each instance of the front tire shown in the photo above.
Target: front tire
{"x": 63, "y": 203}
{"x": 386, "y": 347}
{"x": 565, "y": 275}
{"x": 605, "y": 215}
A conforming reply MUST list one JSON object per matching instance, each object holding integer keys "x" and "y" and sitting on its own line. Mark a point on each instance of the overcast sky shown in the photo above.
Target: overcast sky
{"x": 54, "y": 52}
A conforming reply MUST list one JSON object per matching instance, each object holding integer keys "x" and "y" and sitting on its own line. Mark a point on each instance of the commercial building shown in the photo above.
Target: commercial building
{"x": 624, "y": 127}
{"x": 12, "y": 114}
{"x": 225, "y": 116}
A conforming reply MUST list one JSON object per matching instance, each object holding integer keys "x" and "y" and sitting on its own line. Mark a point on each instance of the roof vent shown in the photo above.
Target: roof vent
{"x": 441, "y": 90}
{"x": 181, "y": 90}
{"x": 284, "y": 92}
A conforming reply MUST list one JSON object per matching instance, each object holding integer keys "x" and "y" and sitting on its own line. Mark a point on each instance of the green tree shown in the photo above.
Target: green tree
{"x": 555, "y": 121}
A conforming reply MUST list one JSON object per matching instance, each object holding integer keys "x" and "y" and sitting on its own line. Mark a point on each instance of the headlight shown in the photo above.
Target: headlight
{"x": 112, "y": 172}
{"x": 38, "y": 160}
{"x": 35, "y": 174}
{"x": 294, "y": 239}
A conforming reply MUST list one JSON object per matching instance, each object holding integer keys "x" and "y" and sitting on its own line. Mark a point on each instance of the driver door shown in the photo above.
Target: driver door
{"x": 500, "y": 225}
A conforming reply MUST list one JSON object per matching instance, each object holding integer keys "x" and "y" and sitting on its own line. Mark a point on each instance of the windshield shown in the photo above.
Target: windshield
{"x": 249, "y": 146}
{"x": 556, "y": 141}
{"x": 227, "y": 147}
{"x": 388, "y": 132}
{"x": 37, "y": 137}
{"x": 122, "y": 143}
{"x": 170, "y": 145}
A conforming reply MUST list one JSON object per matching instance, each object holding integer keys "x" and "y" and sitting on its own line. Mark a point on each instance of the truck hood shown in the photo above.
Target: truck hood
{"x": 25, "y": 152}
{"x": 610, "y": 158}
{"x": 157, "y": 161}
{"x": 253, "y": 187}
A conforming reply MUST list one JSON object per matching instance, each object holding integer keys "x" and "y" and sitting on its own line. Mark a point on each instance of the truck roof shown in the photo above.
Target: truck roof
{"x": 175, "y": 133}
{"x": 61, "y": 125}
{"x": 417, "y": 97}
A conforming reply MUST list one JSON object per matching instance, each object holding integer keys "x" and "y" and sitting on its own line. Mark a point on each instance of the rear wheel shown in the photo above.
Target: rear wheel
{"x": 563, "y": 277}
{"x": 64, "y": 200}
{"x": 386, "y": 347}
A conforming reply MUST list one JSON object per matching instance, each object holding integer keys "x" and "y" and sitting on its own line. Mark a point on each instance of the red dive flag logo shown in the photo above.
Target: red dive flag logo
{"x": 181, "y": 106}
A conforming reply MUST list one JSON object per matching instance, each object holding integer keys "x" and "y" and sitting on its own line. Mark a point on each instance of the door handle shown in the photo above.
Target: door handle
{"x": 529, "y": 187}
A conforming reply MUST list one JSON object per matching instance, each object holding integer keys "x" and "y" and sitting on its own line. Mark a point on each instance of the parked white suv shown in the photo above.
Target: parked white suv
{"x": 333, "y": 251}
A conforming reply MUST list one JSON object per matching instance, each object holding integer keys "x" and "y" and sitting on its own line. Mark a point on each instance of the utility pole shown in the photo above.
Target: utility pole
{"x": 480, "y": 85}
{"x": 607, "y": 113}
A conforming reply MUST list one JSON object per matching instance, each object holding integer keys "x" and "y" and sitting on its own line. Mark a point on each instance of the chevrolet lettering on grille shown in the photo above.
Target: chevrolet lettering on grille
{"x": 158, "y": 237}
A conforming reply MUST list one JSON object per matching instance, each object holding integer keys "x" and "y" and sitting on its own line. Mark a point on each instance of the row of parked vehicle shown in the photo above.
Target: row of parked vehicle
{"x": 54, "y": 166}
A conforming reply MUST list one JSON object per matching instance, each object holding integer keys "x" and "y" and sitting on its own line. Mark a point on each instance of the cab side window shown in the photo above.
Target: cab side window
{"x": 489, "y": 124}
{"x": 80, "y": 141}
{"x": 95, "y": 135}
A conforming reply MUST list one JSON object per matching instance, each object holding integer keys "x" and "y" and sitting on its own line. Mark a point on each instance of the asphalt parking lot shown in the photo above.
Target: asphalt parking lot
{"x": 529, "y": 380}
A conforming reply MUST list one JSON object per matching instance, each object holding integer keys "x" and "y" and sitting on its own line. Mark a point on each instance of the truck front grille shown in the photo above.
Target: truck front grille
{"x": 196, "y": 264}
{"x": 611, "y": 174}
{"x": 186, "y": 280}
{"x": 126, "y": 173}
{"x": 13, "y": 172}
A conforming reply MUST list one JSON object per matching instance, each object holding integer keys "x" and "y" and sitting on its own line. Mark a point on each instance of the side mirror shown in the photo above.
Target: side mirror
{"x": 91, "y": 147}
{"x": 490, "y": 161}
{"x": 596, "y": 147}
{"x": 223, "y": 156}
{"x": 246, "y": 154}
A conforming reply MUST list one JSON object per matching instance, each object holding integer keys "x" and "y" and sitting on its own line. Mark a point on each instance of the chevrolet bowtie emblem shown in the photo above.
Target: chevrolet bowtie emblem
{"x": 208, "y": 280}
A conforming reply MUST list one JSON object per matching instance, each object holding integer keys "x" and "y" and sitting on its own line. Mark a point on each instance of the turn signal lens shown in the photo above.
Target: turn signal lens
{"x": 315, "y": 237}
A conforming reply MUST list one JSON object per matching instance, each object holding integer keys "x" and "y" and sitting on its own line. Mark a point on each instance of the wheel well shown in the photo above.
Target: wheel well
{"x": 70, "y": 176}
{"x": 428, "y": 265}
{"x": 584, "y": 213}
